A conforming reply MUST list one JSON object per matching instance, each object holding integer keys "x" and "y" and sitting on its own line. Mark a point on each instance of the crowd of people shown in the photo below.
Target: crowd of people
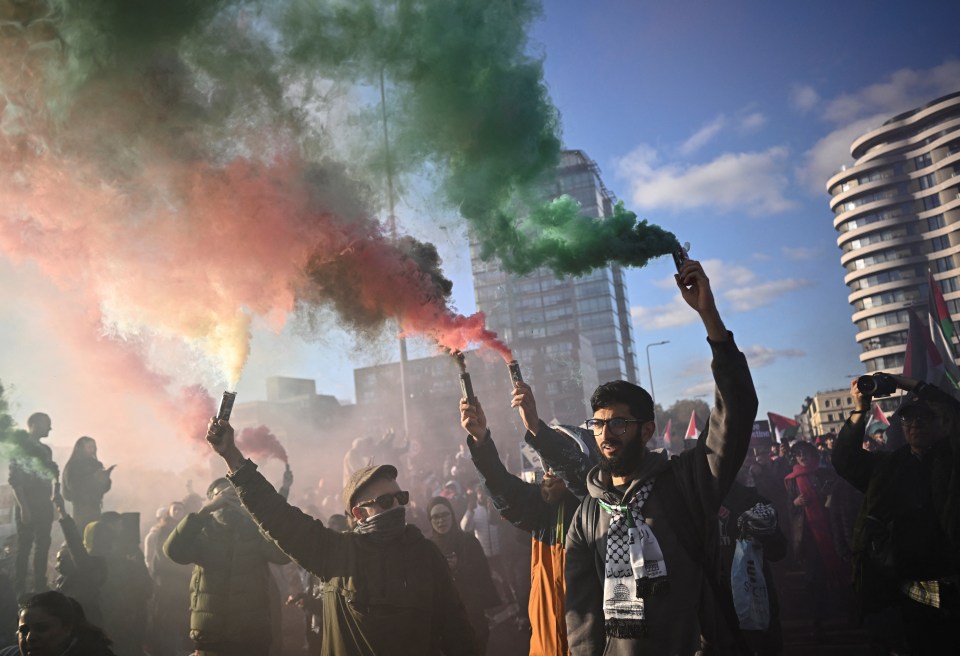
{"x": 615, "y": 548}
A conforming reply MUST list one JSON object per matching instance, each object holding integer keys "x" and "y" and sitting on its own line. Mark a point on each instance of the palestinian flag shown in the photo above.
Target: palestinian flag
{"x": 667, "y": 442}
{"x": 939, "y": 314}
{"x": 926, "y": 358}
{"x": 878, "y": 421}
{"x": 784, "y": 427}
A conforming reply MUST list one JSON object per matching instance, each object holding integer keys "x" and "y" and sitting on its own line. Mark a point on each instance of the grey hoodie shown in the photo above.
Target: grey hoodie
{"x": 681, "y": 510}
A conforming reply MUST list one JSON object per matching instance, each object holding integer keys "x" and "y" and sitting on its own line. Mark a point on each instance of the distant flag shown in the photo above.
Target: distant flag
{"x": 878, "y": 421}
{"x": 939, "y": 314}
{"x": 784, "y": 427}
{"x": 692, "y": 432}
{"x": 878, "y": 415}
{"x": 667, "y": 442}
{"x": 924, "y": 359}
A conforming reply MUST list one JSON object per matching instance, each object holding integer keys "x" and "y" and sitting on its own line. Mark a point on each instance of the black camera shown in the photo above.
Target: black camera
{"x": 879, "y": 384}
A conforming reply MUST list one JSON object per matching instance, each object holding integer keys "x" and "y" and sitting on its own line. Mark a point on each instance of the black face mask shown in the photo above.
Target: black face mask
{"x": 625, "y": 463}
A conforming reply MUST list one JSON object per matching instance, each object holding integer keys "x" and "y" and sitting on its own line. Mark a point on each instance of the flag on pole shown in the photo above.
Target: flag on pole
{"x": 924, "y": 359}
{"x": 939, "y": 314}
{"x": 692, "y": 431}
{"x": 667, "y": 442}
{"x": 784, "y": 427}
{"x": 878, "y": 415}
{"x": 878, "y": 421}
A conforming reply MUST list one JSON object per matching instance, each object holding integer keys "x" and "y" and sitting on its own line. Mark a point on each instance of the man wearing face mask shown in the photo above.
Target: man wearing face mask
{"x": 637, "y": 563}
{"x": 229, "y": 604}
{"x": 388, "y": 589}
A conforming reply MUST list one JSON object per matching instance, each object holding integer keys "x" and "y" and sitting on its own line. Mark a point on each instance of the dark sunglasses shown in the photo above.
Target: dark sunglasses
{"x": 385, "y": 501}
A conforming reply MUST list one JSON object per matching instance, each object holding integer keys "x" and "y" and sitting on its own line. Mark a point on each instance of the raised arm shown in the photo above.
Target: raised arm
{"x": 305, "y": 539}
{"x": 519, "y": 502}
{"x": 851, "y": 462}
{"x": 724, "y": 443}
{"x": 557, "y": 452}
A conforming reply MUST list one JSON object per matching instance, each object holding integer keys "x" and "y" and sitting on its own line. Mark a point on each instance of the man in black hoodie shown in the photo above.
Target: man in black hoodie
{"x": 635, "y": 563}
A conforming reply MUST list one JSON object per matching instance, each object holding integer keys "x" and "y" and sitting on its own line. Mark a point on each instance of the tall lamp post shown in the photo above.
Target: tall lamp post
{"x": 650, "y": 370}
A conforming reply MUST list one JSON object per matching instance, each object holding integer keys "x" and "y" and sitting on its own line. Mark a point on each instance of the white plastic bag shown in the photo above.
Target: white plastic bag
{"x": 749, "y": 587}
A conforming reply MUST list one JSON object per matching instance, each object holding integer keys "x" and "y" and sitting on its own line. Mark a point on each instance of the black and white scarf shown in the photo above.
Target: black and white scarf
{"x": 634, "y": 567}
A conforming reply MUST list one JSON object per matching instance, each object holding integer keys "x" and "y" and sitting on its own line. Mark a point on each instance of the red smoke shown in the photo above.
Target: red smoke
{"x": 155, "y": 240}
{"x": 259, "y": 443}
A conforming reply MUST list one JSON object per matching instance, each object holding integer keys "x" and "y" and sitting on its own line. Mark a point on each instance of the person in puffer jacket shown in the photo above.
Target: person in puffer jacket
{"x": 229, "y": 601}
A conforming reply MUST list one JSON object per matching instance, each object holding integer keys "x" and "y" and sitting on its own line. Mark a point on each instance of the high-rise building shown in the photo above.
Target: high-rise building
{"x": 567, "y": 333}
{"x": 897, "y": 209}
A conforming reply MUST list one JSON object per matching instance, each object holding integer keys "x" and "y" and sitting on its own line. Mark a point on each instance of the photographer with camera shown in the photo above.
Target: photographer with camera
{"x": 907, "y": 537}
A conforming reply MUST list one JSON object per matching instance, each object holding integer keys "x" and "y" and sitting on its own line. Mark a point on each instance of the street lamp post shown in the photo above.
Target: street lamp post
{"x": 650, "y": 370}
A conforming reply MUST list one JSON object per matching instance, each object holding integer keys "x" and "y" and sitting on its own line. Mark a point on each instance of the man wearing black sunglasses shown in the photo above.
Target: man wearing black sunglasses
{"x": 639, "y": 548}
{"x": 388, "y": 589}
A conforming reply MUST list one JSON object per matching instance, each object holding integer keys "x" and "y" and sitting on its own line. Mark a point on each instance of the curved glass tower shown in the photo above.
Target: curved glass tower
{"x": 897, "y": 212}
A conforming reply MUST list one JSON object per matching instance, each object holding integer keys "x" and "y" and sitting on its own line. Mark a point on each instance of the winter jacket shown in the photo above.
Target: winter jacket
{"x": 520, "y": 503}
{"x": 380, "y": 598}
{"x": 910, "y": 502}
{"x": 228, "y": 589}
{"x": 80, "y": 575}
{"x": 84, "y": 483}
{"x": 470, "y": 571}
{"x": 681, "y": 510}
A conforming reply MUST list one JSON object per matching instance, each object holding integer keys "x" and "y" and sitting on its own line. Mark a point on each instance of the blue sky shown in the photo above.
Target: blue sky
{"x": 720, "y": 122}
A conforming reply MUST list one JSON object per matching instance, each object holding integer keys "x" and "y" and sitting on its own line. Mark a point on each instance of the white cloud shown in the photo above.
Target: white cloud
{"x": 705, "y": 388}
{"x": 703, "y": 136}
{"x": 803, "y": 98}
{"x": 734, "y": 283}
{"x": 860, "y": 111}
{"x": 904, "y": 90}
{"x": 757, "y": 356}
{"x": 670, "y": 315}
{"x": 763, "y": 356}
{"x": 800, "y": 253}
{"x": 832, "y": 152}
{"x": 752, "y": 122}
{"x": 754, "y": 183}
{"x": 755, "y": 296}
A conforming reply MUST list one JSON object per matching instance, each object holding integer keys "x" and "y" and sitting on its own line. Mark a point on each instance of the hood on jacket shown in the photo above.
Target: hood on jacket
{"x": 600, "y": 483}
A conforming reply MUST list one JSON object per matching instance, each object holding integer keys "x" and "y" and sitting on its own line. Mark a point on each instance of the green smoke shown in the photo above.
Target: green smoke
{"x": 16, "y": 444}
{"x": 466, "y": 103}
{"x": 465, "y": 94}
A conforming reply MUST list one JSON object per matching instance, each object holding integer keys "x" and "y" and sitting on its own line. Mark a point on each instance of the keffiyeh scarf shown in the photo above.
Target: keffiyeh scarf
{"x": 634, "y": 567}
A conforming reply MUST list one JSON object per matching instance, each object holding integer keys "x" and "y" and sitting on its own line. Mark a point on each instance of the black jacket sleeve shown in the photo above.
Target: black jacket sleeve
{"x": 519, "y": 502}
{"x": 851, "y": 462}
{"x": 306, "y": 540}
{"x": 560, "y": 454}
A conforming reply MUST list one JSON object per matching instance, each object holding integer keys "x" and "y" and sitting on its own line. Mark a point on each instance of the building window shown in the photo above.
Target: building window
{"x": 935, "y": 222}
{"x": 948, "y": 285}
{"x": 939, "y": 243}
{"x": 942, "y": 264}
{"x": 931, "y": 201}
{"x": 927, "y": 181}
{"x": 826, "y": 403}
{"x": 922, "y": 161}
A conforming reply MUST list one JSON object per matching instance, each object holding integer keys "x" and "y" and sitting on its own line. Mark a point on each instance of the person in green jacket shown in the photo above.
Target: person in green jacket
{"x": 229, "y": 598}
{"x": 387, "y": 589}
